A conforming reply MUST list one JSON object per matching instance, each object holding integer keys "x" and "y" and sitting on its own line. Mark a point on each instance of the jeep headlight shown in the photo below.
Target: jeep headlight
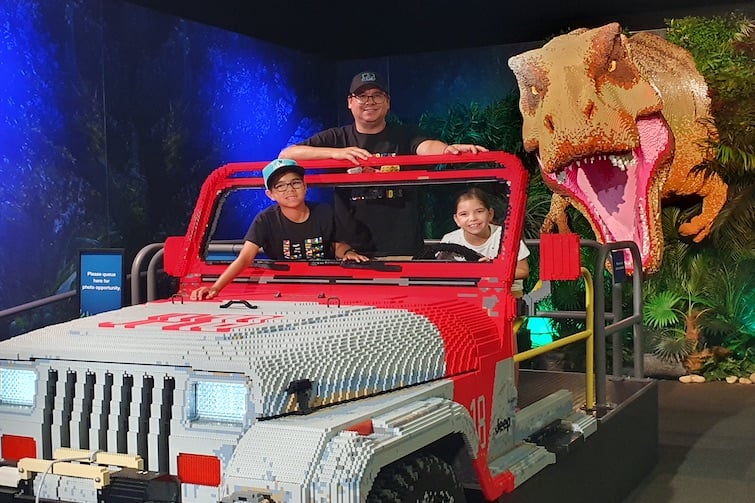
{"x": 218, "y": 401}
{"x": 17, "y": 386}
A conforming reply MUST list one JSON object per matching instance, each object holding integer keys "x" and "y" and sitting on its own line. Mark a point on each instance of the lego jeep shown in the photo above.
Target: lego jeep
{"x": 391, "y": 380}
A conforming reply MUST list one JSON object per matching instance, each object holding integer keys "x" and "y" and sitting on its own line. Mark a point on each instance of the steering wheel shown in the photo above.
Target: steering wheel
{"x": 430, "y": 251}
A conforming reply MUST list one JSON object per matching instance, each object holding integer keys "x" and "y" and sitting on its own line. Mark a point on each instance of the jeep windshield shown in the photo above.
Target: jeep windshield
{"x": 234, "y": 194}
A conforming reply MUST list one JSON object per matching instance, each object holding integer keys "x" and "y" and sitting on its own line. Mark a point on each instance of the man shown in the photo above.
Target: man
{"x": 369, "y": 101}
{"x": 387, "y": 220}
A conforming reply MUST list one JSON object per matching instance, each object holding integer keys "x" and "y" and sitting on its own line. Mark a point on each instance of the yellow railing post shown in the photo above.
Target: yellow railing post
{"x": 586, "y": 335}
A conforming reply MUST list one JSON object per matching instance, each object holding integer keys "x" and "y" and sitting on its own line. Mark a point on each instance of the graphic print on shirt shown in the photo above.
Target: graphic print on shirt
{"x": 313, "y": 249}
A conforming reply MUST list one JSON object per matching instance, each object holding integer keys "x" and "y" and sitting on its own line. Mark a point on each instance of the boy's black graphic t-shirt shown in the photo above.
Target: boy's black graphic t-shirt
{"x": 282, "y": 239}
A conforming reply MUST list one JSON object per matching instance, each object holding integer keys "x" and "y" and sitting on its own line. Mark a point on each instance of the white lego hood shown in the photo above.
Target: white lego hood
{"x": 346, "y": 352}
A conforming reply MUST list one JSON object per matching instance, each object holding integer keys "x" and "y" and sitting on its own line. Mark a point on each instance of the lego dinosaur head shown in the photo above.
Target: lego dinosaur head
{"x": 601, "y": 140}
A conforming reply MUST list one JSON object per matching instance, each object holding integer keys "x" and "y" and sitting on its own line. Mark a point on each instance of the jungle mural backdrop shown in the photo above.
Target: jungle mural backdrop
{"x": 112, "y": 116}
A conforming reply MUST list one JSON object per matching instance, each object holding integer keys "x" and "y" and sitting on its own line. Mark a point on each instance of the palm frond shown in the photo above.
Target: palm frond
{"x": 661, "y": 310}
{"x": 673, "y": 347}
{"x": 734, "y": 226}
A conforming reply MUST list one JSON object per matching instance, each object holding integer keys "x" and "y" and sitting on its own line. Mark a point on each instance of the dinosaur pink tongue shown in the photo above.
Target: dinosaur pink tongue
{"x": 613, "y": 188}
{"x": 617, "y": 191}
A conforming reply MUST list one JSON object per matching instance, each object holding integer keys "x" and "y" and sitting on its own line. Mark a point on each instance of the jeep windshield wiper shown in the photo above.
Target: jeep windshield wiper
{"x": 374, "y": 265}
{"x": 272, "y": 265}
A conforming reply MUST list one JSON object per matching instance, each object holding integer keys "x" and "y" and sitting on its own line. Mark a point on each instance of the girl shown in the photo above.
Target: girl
{"x": 474, "y": 216}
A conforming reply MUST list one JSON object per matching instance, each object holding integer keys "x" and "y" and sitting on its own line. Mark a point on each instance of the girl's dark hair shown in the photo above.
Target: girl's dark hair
{"x": 474, "y": 193}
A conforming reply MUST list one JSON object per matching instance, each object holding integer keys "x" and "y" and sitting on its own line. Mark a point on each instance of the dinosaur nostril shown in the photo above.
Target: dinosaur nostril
{"x": 589, "y": 110}
{"x": 549, "y": 123}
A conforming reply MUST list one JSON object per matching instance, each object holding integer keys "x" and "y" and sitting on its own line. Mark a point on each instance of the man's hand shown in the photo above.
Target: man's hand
{"x": 354, "y": 256}
{"x": 458, "y": 148}
{"x": 353, "y": 154}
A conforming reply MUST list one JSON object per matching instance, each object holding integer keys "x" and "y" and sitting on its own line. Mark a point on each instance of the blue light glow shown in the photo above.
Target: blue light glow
{"x": 17, "y": 387}
{"x": 219, "y": 402}
{"x": 542, "y": 331}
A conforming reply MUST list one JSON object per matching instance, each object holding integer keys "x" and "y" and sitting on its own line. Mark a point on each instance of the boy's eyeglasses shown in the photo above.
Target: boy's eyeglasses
{"x": 363, "y": 99}
{"x": 283, "y": 186}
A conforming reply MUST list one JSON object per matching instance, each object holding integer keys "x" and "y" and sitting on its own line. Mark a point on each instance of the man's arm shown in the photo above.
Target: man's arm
{"x": 309, "y": 153}
{"x": 437, "y": 147}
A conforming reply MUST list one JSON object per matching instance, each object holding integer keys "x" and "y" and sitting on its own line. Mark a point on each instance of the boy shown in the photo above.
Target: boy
{"x": 292, "y": 229}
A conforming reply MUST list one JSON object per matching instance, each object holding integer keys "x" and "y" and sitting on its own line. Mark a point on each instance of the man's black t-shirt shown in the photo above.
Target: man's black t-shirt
{"x": 379, "y": 221}
{"x": 394, "y": 139}
{"x": 283, "y": 239}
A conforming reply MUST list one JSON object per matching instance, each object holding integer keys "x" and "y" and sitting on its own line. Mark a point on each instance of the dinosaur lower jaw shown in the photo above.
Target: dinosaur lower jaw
{"x": 619, "y": 193}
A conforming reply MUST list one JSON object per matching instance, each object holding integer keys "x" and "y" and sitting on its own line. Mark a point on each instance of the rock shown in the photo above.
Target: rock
{"x": 690, "y": 378}
{"x": 655, "y": 367}
{"x": 732, "y": 379}
{"x": 697, "y": 378}
{"x": 745, "y": 380}
{"x": 685, "y": 379}
{"x": 752, "y": 377}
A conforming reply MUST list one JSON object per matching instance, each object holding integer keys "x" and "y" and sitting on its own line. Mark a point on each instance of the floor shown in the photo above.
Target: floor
{"x": 706, "y": 445}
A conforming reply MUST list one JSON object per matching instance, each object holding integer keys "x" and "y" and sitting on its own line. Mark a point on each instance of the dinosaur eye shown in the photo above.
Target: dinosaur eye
{"x": 612, "y": 66}
{"x": 534, "y": 90}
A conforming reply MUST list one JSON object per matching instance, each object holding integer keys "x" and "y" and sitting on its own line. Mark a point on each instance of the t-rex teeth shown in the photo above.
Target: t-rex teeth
{"x": 622, "y": 161}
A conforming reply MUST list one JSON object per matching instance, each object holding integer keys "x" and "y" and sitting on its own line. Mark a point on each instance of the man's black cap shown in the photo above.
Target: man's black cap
{"x": 367, "y": 80}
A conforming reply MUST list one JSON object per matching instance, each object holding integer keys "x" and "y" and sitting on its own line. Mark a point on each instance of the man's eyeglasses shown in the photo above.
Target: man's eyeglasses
{"x": 295, "y": 184}
{"x": 377, "y": 98}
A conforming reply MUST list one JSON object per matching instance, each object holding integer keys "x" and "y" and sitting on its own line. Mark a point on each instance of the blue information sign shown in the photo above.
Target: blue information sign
{"x": 619, "y": 268}
{"x": 100, "y": 280}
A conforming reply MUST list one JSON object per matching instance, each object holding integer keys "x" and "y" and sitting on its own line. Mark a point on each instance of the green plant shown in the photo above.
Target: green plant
{"x": 701, "y": 296}
{"x": 674, "y": 320}
{"x": 719, "y": 46}
{"x": 670, "y": 345}
{"x": 723, "y": 48}
{"x": 497, "y": 126}
{"x": 718, "y": 370}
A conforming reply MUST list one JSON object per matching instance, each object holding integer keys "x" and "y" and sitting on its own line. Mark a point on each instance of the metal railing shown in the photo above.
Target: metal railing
{"x": 8, "y": 321}
{"x": 22, "y": 308}
{"x": 600, "y": 316}
{"x": 585, "y": 335}
{"x": 153, "y": 252}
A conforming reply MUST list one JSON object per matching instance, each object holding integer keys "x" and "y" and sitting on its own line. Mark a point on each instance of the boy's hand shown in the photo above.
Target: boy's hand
{"x": 203, "y": 293}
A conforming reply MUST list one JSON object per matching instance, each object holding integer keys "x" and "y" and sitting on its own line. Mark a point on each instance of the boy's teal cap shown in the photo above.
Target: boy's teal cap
{"x": 278, "y": 167}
